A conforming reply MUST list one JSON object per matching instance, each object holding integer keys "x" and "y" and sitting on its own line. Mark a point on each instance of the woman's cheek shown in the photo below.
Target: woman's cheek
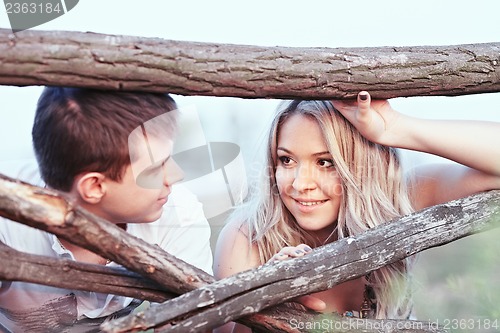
{"x": 283, "y": 181}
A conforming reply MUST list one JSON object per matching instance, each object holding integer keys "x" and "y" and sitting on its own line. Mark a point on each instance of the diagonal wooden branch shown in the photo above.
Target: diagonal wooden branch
{"x": 9, "y": 187}
{"x": 43, "y": 204}
{"x": 54, "y": 212}
{"x": 251, "y": 291}
{"x": 188, "y": 68}
{"x": 65, "y": 273}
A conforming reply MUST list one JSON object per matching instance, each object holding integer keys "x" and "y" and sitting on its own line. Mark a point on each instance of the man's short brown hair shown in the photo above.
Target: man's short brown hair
{"x": 85, "y": 130}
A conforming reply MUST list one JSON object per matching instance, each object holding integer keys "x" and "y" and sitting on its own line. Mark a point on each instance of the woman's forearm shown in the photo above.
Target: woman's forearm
{"x": 475, "y": 144}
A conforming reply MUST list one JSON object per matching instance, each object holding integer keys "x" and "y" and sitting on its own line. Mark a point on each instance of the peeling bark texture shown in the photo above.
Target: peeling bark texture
{"x": 52, "y": 211}
{"x": 129, "y": 63}
{"x": 188, "y": 68}
{"x": 252, "y": 291}
{"x": 211, "y": 303}
{"x": 69, "y": 274}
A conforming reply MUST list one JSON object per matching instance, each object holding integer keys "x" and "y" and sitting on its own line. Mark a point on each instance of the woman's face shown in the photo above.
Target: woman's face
{"x": 308, "y": 183}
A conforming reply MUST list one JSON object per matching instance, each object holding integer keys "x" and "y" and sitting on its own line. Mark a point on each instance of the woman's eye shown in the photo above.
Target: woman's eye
{"x": 325, "y": 163}
{"x": 285, "y": 160}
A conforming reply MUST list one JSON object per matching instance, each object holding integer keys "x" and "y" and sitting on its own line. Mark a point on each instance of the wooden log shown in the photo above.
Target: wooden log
{"x": 286, "y": 319}
{"x": 69, "y": 274}
{"x": 56, "y": 213}
{"x": 252, "y": 291}
{"x": 188, "y": 68}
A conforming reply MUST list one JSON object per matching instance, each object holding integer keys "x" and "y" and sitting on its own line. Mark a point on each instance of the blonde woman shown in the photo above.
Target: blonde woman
{"x": 333, "y": 171}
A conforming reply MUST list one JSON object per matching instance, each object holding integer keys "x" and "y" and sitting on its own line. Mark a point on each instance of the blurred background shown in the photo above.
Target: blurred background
{"x": 459, "y": 280}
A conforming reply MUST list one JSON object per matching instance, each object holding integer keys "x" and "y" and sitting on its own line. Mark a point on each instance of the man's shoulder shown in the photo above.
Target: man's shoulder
{"x": 22, "y": 237}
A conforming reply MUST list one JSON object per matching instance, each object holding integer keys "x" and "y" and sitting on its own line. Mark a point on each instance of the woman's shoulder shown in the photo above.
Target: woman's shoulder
{"x": 236, "y": 228}
{"x": 235, "y": 251}
{"x": 234, "y": 237}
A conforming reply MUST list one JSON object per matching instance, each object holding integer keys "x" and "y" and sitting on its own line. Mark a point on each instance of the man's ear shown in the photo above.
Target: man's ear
{"x": 90, "y": 186}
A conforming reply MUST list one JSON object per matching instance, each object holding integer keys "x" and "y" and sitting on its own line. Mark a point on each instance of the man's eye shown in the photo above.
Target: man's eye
{"x": 151, "y": 178}
{"x": 153, "y": 171}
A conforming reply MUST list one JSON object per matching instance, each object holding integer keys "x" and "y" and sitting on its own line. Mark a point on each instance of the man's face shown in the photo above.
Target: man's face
{"x": 144, "y": 189}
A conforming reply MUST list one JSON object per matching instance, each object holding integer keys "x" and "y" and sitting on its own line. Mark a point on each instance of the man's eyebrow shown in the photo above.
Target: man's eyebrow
{"x": 159, "y": 163}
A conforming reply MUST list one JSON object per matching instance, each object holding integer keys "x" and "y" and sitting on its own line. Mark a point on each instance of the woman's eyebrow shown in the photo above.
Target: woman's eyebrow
{"x": 284, "y": 149}
{"x": 321, "y": 153}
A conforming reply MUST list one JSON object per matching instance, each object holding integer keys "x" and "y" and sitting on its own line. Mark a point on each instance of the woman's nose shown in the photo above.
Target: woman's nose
{"x": 304, "y": 179}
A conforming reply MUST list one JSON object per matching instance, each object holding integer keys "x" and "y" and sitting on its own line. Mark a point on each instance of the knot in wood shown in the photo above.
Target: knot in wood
{"x": 206, "y": 298}
{"x": 191, "y": 279}
{"x": 446, "y": 211}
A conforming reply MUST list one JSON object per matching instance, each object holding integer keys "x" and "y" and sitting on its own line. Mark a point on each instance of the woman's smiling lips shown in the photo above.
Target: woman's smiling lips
{"x": 308, "y": 204}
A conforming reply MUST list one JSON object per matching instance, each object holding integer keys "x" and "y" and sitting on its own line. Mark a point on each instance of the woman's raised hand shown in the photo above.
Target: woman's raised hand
{"x": 376, "y": 120}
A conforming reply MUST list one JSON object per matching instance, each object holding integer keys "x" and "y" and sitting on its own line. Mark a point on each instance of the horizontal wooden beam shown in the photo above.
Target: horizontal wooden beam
{"x": 189, "y": 68}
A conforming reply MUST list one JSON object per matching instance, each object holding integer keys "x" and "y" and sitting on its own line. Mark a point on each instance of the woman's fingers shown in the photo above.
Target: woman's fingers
{"x": 364, "y": 103}
{"x": 347, "y": 108}
{"x": 305, "y": 248}
{"x": 291, "y": 252}
{"x": 370, "y": 117}
{"x": 358, "y": 111}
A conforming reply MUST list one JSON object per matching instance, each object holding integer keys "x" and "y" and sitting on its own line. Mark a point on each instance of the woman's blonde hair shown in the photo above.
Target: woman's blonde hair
{"x": 374, "y": 192}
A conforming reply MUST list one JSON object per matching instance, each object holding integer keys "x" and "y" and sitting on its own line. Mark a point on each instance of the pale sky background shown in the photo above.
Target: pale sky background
{"x": 310, "y": 23}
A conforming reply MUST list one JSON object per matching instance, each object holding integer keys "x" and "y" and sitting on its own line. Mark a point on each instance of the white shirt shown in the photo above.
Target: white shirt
{"x": 182, "y": 231}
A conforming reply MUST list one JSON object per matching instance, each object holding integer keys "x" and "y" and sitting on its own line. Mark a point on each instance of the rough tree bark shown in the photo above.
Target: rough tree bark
{"x": 52, "y": 211}
{"x": 312, "y": 322}
{"x": 188, "y": 68}
{"x": 43, "y": 209}
{"x": 69, "y": 274}
{"x": 252, "y": 291}
{"x": 146, "y": 64}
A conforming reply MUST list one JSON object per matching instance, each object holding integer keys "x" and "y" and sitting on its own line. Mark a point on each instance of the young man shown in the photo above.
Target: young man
{"x": 111, "y": 152}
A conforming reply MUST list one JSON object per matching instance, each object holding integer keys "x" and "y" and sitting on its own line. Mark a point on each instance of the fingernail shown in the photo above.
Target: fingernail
{"x": 307, "y": 249}
{"x": 363, "y": 97}
{"x": 299, "y": 251}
